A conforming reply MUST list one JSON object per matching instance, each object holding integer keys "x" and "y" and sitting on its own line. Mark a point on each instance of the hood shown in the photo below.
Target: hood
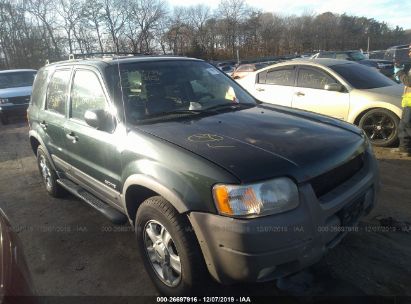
{"x": 265, "y": 141}
{"x": 15, "y": 92}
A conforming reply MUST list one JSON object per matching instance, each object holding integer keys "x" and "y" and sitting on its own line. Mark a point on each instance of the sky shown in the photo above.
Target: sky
{"x": 394, "y": 12}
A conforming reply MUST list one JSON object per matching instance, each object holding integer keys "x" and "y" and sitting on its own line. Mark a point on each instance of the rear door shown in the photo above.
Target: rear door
{"x": 310, "y": 94}
{"x": 94, "y": 155}
{"x": 53, "y": 118}
{"x": 276, "y": 85}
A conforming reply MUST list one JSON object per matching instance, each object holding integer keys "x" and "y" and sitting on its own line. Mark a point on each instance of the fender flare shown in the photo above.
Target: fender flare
{"x": 154, "y": 185}
{"x": 34, "y": 134}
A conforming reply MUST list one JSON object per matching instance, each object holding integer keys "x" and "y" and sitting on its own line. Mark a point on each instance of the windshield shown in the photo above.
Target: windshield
{"x": 357, "y": 56}
{"x": 162, "y": 88}
{"x": 16, "y": 79}
{"x": 362, "y": 77}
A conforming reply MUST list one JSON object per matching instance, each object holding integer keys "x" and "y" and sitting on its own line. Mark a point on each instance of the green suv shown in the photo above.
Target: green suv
{"x": 213, "y": 181}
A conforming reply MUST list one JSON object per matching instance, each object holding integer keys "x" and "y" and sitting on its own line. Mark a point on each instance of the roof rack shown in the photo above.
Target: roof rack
{"x": 104, "y": 54}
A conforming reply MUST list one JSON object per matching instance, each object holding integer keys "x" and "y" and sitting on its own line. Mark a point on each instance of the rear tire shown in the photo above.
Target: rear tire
{"x": 48, "y": 175}
{"x": 156, "y": 218}
{"x": 381, "y": 127}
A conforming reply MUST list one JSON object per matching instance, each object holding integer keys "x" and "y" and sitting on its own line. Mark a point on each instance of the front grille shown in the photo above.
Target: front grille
{"x": 330, "y": 180}
{"x": 19, "y": 100}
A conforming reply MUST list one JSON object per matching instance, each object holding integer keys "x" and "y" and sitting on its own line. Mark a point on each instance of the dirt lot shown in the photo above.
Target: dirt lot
{"x": 73, "y": 250}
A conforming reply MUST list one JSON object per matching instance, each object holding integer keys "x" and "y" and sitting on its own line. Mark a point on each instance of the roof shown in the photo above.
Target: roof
{"x": 17, "y": 71}
{"x": 323, "y": 61}
{"x": 105, "y": 61}
{"x": 347, "y": 51}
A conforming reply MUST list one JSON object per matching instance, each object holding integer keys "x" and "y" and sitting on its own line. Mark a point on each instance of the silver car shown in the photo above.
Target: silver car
{"x": 339, "y": 88}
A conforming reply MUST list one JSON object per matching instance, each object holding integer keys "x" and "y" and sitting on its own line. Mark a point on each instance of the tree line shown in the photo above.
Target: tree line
{"x": 33, "y": 31}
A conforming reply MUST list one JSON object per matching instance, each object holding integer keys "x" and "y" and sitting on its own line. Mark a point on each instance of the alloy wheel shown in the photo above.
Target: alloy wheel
{"x": 162, "y": 253}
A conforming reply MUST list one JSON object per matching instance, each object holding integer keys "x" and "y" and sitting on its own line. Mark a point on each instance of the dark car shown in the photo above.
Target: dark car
{"x": 213, "y": 182}
{"x": 15, "y": 91}
{"x": 16, "y": 285}
{"x": 386, "y": 67}
{"x": 399, "y": 54}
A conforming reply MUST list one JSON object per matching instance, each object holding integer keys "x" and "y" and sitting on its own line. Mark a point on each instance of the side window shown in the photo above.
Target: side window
{"x": 342, "y": 56}
{"x": 327, "y": 55}
{"x": 57, "y": 91}
{"x": 313, "y": 79}
{"x": 39, "y": 88}
{"x": 284, "y": 77}
{"x": 261, "y": 77}
{"x": 86, "y": 94}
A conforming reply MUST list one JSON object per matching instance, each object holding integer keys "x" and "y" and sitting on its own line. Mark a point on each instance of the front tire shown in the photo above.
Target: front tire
{"x": 169, "y": 249}
{"x": 381, "y": 127}
{"x": 48, "y": 174}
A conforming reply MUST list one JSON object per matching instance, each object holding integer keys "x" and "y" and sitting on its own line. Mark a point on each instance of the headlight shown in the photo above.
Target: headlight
{"x": 270, "y": 197}
{"x": 3, "y": 100}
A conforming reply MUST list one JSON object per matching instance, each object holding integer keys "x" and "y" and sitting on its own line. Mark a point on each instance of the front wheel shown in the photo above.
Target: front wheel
{"x": 169, "y": 249}
{"x": 381, "y": 127}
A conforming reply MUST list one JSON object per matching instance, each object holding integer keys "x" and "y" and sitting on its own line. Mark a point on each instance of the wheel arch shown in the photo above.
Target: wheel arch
{"x": 360, "y": 113}
{"x": 138, "y": 187}
{"x": 35, "y": 142}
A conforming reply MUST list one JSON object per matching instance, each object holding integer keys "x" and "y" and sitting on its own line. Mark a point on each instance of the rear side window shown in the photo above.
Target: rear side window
{"x": 342, "y": 56}
{"x": 86, "y": 94}
{"x": 313, "y": 79}
{"x": 39, "y": 89}
{"x": 245, "y": 68}
{"x": 57, "y": 91}
{"x": 283, "y": 77}
{"x": 327, "y": 55}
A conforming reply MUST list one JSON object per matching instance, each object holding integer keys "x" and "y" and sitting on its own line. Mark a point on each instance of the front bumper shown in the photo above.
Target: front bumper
{"x": 271, "y": 247}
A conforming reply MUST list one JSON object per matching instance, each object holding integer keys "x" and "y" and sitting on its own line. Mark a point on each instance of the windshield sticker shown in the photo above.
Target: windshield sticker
{"x": 213, "y": 71}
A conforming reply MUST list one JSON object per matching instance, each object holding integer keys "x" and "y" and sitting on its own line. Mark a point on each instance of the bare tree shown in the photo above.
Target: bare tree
{"x": 42, "y": 10}
{"x": 94, "y": 14}
{"x": 115, "y": 15}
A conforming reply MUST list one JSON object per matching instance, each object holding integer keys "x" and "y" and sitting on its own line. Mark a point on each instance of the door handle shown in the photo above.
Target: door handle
{"x": 43, "y": 124}
{"x": 300, "y": 94}
{"x": 71, "y": 136}
{"x": 260, "y": 89}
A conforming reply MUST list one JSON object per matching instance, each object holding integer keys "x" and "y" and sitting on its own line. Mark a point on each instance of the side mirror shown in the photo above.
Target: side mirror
{"x": 100, "y": 120}
{"x": 335, "y": 87}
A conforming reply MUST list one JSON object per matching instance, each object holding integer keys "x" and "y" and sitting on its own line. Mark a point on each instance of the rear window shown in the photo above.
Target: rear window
{"x": 39, "y": 88}
{"x": 361, "y": 76}
{"x": 57, "y": 92}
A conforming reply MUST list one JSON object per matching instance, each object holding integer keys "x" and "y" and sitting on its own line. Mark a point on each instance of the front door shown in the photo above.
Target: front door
{"x": 310, "y": 94}
{"x": 94, "y": 154}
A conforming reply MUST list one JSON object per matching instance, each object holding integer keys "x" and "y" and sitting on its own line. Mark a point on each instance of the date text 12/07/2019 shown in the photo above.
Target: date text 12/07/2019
{"x": 203, "y": 300}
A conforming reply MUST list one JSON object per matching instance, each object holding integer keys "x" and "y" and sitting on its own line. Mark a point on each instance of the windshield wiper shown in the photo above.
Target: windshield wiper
{"x": 227, "y": 105}
{"x": 173, "y": 112}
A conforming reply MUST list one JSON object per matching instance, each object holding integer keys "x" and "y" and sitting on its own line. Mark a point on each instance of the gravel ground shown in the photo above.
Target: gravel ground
{"x": 73, "y": 250}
